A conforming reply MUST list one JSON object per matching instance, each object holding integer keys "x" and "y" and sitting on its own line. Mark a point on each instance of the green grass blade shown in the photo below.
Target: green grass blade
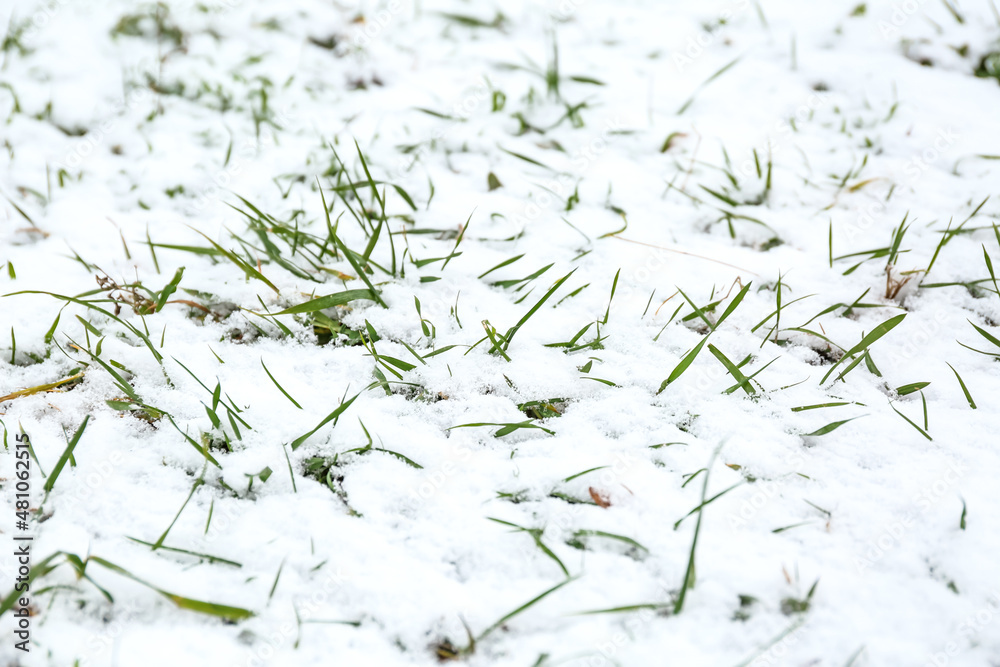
{"x": 833, "y": 426}
{"x": 965, "y": 390}
{"x": 280, "y": 388}
{"x": 522, "y": 608}
{"x": 333, "y": 416}
{"x": 67, "y": 453}
{"x": 868, "y": 340}
{"x": 744, "y": 381}
{"x": 683, "y": 365}
{"x": 534, "y": 309}
{"x": 329, "y": 301}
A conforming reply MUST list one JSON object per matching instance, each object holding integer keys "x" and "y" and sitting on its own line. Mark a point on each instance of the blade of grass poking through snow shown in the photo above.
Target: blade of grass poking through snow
{"x": 725, "y": 68}
{"x": 368, "y": 175}
{"x": 704, "y": 503}
{"x": 210, "y": 558}
{"x": 836, "y": 404}
{"x": 525, "y": 158}
{"x": 697, "y": 311}
{"x": 965, "y": 390}
{"x": 750, "y": 377}
{"x": 527, "y": 605}
{"x": 277, "y": 578}
{"x": 170, "y": 288}
{"x": 614, "y": 286}
{"x": 611, "y": 536}
{"x": 733, "y": 305}
{"x": 513, "y": 330}
{"x": 693, "y": 354}
{"x": 66, "y": 455}
{"x": 505, "y": 428}
{"x": 833, "y": 426}
{"x": 329, "y": 301}
{"x": 744, "y": 381}
{"x": 911, "y": 388}
{"x": 351, "y": 257}
{"x": 867, "y": 341}
{"x": 280, "y": 388}
{"x": 500, "y": 266}
{"x": 683, "y": 364}
{"x": 689, "y": 575}
{"x": 989, "y": 267}
{"x": 194, "y": 487}
{"x": 954, "y": 12}
{"x": 911, "y": 422}
{"x": 988, "y": 336}
{"x": 212, "y": 609}
{"x": 333, "y": 416}
{"x": 202, "y": 449}
{"x": 536, "y": 535}
{"x": 250, "y": 271}
{"x": 581, "y": 474}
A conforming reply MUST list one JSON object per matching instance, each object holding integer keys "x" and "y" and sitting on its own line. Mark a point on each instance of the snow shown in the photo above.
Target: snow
{"x": 870, "y": 114}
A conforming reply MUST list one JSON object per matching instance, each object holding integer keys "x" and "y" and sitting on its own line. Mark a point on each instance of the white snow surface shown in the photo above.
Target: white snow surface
{"x": 867, "y": 113}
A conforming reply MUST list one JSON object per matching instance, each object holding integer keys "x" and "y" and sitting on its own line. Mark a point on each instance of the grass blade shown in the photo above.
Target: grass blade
{"x": 67, "y": 453}
{"x": 280, "y": 388}
{"x": 333, "y": 416}
{"x": 868, "y": 340}
{"x": 965, "y": 390}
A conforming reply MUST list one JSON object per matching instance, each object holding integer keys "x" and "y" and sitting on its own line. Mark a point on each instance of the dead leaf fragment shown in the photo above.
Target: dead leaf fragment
{"x": 600, "y": 498}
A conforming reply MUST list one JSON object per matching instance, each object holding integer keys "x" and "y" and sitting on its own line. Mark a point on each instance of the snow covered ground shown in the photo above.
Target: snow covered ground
{"x": 682, "y": 313}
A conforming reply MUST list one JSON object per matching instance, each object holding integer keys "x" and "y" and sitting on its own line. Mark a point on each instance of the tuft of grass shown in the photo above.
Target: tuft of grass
{"x": 689, "y": 358}
{"x": 334, "y": 416}
{"x": 866, "y": 342}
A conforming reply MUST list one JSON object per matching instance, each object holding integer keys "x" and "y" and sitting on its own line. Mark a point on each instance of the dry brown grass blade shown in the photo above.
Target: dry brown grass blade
{"x": 40, "y": 388}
